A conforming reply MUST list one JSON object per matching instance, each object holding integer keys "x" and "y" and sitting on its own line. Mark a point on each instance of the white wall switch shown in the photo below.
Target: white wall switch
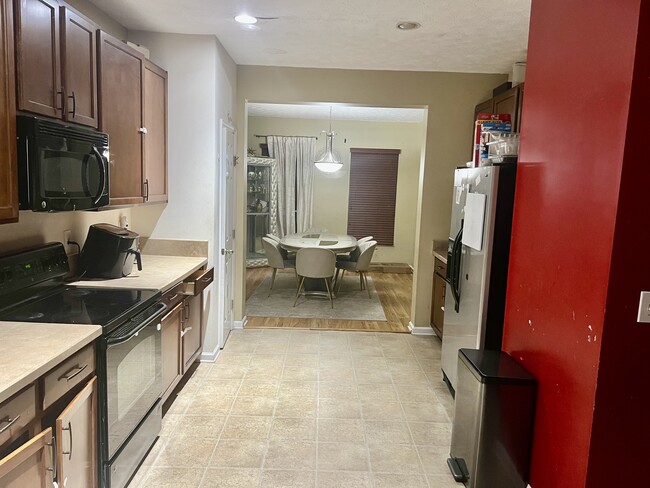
{"x": 644, "y": 307}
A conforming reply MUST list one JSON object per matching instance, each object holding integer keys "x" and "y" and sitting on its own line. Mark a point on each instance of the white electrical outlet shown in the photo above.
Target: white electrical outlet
{"x": 66, "y": 239}
{"x": 644, "y": 307}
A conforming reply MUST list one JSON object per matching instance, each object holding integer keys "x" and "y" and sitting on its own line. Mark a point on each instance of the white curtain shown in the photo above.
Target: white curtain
{"x": 295, "y": 157}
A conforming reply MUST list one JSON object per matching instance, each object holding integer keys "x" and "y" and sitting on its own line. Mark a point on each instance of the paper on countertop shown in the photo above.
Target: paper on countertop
{"x": 474, "y": 219}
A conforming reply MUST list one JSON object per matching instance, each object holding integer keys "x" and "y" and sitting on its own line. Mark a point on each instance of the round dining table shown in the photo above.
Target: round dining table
{"x": 338, "y": 243}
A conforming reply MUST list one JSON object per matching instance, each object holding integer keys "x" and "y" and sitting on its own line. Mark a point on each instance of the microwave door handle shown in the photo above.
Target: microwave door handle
{"x": 102, "y": 175}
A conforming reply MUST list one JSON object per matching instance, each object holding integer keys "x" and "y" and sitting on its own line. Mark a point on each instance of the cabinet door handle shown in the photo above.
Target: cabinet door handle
{"x": 9, "y": 422}
{"x": 53, "y": 468}
{"x": 62, "y": 95}
{"x": 142, "y": 130}
{"x": 74, "y": 105}
{"x": 146, "y": 190}
{"x": 69, "y": 429}
{"x": 185, "y": 331}
{"x": 442, "y": 308}
{"x": 78, "y": 371}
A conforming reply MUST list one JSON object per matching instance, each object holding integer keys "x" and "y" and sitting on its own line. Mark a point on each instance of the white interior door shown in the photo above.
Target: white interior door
{"x": 228, "y": 160}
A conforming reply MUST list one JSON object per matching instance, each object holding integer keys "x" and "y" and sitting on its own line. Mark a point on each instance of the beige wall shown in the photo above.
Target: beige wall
{"x": 450, "y": 98}
{"x": 330, "y": 204}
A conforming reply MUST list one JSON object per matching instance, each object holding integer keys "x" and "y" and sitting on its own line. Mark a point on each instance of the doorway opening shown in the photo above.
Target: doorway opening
{"x": 326, "y": 210}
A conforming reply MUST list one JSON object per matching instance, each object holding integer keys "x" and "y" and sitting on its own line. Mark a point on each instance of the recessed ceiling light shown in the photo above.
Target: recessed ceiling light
{"x": 408, "y": 25}
{"x": 246, "y": 19}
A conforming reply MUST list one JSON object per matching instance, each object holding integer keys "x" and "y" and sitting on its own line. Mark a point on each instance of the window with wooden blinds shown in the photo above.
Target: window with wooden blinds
{"x": 373, "y": 189}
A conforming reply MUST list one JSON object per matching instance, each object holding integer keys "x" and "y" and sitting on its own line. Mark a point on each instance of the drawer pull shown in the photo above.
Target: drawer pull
{"x": 9, "y": 422}
{"x": 171, "y": 299}
{"x": 78, "y": 371}
{"x": 69, "y": 429}
{"x": 185, "y": 331}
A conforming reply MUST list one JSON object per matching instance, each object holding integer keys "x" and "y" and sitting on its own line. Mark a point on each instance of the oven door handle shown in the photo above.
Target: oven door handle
{"x": 112, "y": 341}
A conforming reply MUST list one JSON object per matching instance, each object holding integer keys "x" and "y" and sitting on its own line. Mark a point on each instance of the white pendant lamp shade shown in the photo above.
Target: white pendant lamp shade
{"x": 329, "y": 161}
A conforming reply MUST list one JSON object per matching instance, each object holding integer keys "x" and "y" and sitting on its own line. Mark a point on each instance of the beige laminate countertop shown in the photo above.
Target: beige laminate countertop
{"x": 158, "y": 272}
{"x": 29, "y": 350}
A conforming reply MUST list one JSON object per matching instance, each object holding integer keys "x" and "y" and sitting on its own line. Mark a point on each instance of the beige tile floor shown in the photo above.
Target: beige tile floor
{"x": 305, "y": 408}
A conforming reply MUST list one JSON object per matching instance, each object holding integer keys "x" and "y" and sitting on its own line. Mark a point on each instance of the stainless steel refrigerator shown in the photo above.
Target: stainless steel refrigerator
{"x": 477, "y": 262}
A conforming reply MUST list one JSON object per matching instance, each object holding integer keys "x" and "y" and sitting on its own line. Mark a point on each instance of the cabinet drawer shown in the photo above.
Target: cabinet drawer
{"x": 17, "y": 413}
{"x": 67, "y": 375}
{"x": 195, "y": 283}
{"x": 173, "y": 296}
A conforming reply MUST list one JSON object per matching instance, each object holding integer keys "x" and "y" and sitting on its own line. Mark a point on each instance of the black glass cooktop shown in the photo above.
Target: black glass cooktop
{"x": 78, "y": 305}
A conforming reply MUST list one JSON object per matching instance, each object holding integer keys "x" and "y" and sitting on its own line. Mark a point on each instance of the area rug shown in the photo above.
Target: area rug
{"x": 350, "y": 303}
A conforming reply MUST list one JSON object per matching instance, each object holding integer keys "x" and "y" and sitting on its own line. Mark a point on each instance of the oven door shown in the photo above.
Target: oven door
{"x": 133, "y": 375}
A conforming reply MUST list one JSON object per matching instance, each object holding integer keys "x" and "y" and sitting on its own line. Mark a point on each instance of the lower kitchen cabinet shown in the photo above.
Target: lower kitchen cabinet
{"x": 76, "y": 431}
{"x": 32, "y": 464}
{"x": 172, "y": 325}
{"x": 191, "y": 330}
{"x": 182, "y": 333}
{"x": 438, "y": 297}
{"x": 62, "y": 449}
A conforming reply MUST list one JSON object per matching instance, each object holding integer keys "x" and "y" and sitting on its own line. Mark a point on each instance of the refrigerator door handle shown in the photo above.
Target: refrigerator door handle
{"x": 455, "y": 272}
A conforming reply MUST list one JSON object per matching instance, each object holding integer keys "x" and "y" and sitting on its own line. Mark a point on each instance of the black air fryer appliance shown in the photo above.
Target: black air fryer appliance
{"x": 109, "y": 252}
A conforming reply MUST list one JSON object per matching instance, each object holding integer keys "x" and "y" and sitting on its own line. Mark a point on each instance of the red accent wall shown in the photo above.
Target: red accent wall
{"x": 566, "y": 223}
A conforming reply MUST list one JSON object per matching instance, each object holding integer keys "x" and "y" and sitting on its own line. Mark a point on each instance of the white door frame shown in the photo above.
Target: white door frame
{"x": 221, "y": 241}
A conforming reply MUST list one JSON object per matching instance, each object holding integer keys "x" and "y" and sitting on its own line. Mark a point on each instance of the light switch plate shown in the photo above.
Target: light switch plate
{"x": 644, "y": 307}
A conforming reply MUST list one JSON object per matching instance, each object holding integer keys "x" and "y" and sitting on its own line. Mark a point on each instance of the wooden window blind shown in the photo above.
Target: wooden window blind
{"x": 373, "y": 189}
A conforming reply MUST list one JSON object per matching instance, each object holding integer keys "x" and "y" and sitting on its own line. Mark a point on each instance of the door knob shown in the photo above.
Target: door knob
{"x": 226, "y": 251}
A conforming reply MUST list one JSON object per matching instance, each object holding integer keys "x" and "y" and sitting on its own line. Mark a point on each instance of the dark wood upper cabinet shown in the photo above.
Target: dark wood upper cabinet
{"x": 155, "y": 139}
{"x": 8, "y": 168}
{"x": 37, "y": 57}
{"x": 120, "y": 75}
{"x": 508, "y": 103}
{"x": 56, "y": 62}
{"x": 79, "y": 60}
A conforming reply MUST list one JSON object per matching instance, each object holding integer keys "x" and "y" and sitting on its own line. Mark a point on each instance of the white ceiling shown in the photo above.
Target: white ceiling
{"x": 339, "y": 112}
{"x": 476, "y": 36}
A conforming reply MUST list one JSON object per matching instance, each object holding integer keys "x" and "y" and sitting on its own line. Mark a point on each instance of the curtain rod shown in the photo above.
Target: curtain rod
{"x": 275, "y": 135}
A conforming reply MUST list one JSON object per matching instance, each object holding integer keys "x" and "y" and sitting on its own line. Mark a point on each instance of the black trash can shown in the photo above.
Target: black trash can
{"x": 493, "y": 424}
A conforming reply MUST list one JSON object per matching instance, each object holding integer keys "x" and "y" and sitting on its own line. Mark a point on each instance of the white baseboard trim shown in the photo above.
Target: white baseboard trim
{"x": 210, "y": 356}
{"x": 423, "y": 331}
{"x": 240, "y": 324}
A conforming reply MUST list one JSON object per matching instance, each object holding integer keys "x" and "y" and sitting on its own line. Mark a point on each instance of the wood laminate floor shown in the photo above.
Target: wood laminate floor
{"x": 394, "y": 290}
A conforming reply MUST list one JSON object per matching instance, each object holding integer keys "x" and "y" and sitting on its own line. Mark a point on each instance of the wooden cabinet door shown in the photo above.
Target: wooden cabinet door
{"x": 155, "y": 138}
{"x": 76, "y": 431}
{"x": 438, "y": 312}
{"x": 30, "y": 465}
{"x": 508, "y": 103}
{"x": 120, "y": 115}
{"x": 37, "y": 57}
{"x": 79, "y": 61}
{"x": 8, "y": 165}
{"x": 171, "y": 348}
{"x": 191, "y": 332}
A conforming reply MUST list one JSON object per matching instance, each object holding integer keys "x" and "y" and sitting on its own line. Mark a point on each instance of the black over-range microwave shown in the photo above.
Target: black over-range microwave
{"x": 61, "y": 166}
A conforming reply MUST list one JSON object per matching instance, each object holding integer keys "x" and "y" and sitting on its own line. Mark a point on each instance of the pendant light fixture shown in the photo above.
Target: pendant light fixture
{"x": 329, "y": 161}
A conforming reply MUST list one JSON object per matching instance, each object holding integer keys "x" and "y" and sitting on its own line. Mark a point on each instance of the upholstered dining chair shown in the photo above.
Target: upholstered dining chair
{"x": 361, "y": 265}
{"x": 276, "y": 260}
{"x": 354, "y": 254}
{"x": 284, "y": 252}
{"x": 314, "y": 262}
